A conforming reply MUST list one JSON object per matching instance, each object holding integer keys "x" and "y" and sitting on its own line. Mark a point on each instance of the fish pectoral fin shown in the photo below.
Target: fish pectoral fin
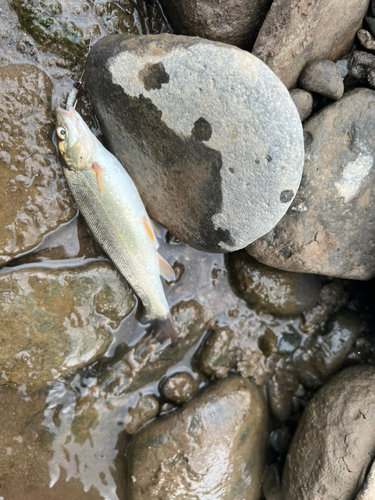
{"x": 166, "y": 271}
{"x": 98, "y": 171}
{"x": 149, "y": 230}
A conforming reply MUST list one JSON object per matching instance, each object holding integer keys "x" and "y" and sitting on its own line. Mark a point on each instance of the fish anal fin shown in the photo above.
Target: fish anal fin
{"x": 149, "y": 230}
{"x": 166, "y": 271}
{"x": 98, "y": 171}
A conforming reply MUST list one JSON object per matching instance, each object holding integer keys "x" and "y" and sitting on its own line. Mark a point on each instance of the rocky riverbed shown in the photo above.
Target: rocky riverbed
{"x": 268, "y": 392}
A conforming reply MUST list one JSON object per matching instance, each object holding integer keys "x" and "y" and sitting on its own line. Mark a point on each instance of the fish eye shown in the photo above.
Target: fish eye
{"x": 61, "y": 132}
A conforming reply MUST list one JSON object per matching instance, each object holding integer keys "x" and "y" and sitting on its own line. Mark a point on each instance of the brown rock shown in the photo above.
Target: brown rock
{"x": 366, "y": 39}
{"x": 303, "y": 101}
{"x": 146, "y": 408}
{"x": 215, "y": 443}
{"x": 322, "y": 76}
{"x": 35, "y": 199}
{"x": 295, "y": 33}
{"x": 236, "y": 22}
{"x": 57, "y": 319}
{"x": 270, "y": 290}
{"x": 335, "y": 441}
{"x": 329, "y": 228}
{"x": 179, "y": 387}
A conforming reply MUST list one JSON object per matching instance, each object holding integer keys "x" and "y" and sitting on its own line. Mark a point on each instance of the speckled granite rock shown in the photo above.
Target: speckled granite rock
{"x": 295, "y": 33}
{"x": 209, "y": 135}
{"x": 180, "y": 455}
{"x": 334, "y": 442}
{"x": 329, "y": 228}
{"x": 35, "y": 199}
{"x": 57, "y": 319}
{"x": 230, "y": 21}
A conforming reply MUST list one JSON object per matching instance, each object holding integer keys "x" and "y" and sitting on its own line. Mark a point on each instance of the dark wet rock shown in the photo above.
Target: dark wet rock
{"x": 367, "y": 491}
{"x": 322, "y": 76}
{"x": 359, "y": 64}
{"x": 333, "y": 296}
{"x": 168, "y": 458}
{"x": 271, "y": 483}
{"x": 188, "y": 112}
{"x": 58, "y": 319}
{"x": 371, "y": 24}
{"x": 366, "y": 39}
{"x": 329, "y": 228}
{"x": 289, "y": 341}
{"x": 35, "y": 198}
{"x": 295, "y": 33}
{"x": 146, "y": 408}
{"x": 236, "y": 22}
{"x": 334, "y": 442}
{"x": 27, "y": 450}
{"x": 322, "y": 356}
{"x": 270, "y": 290}
{"x": 215, "y": 356}
{"x": 148, "y": 360}
{"x": 371, "y": 77}
{"x": 303, "y": 101}
{"x": 280, "y": 439}
{"x": 179, "y": 387}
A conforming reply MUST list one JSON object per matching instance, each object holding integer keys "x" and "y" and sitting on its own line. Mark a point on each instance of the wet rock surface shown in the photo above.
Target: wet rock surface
{"x": 323, "y": 77}
{"x": 228, "y": 140}
{"x": 57, "y": 320}
{"x": 179, "y": 455}
{"x": 296, "y": 33}
{"x": 35, "y": 199}
{"x": 328, "y": 229}
{"x": 334, "y": 441}
{"x": 236, "y": 22}
{"x": 180, "y": 387}
{"x": 272, "y": 291}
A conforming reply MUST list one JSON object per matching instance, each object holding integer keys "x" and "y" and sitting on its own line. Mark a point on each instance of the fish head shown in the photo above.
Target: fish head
{"x": 75, "y": 140}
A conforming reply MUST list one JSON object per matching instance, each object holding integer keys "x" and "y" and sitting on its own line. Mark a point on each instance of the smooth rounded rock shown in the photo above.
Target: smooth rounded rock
{"x": 146, "y": 408}
{"x": 303, "y": 101}
{"x": 230, "y": 21}
{"x": 299, "y": 31}
{"x": 34, "y": 195}
{"x": 270, "y": 290}
{"x": 215, "y": 443}
{"x": 335, "y": 440}
{"x": 57, "y": 319}
{"x": 179, "y": 387}
{"x": 209, "y": 135}
{"x": 323, "y": 77}
{"x": 329, "y": 228}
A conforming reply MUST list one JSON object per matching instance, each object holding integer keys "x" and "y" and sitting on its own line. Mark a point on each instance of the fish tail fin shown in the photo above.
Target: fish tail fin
{"x": 163, "y": 329}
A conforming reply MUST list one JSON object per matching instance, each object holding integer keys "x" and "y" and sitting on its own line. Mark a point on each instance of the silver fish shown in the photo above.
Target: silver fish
{"x": 110, "y": 203}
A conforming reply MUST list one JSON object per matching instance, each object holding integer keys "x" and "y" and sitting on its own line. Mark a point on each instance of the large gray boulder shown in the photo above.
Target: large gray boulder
{"x": 208, "y": 133}
{"x": 330, "y": 227}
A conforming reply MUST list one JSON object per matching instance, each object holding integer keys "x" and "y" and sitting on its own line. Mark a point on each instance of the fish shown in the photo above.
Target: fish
{"x": 112, "y": 207}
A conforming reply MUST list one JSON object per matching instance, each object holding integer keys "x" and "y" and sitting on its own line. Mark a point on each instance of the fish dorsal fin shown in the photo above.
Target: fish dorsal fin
{"x": 166, "y": 270}
{"x": 150, "y": 231}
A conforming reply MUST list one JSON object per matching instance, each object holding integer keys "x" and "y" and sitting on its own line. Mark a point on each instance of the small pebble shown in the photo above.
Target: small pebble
{"x": 303, "y": 101}
{"x": 366, "y": 39}
{"x": 146, "y": 408}
{"x": 323, "y": 77}
{"x": 179, "y": 388}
